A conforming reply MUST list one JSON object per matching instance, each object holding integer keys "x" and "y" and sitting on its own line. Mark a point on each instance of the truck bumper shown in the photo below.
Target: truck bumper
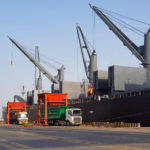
{"x": 22, "y": 122}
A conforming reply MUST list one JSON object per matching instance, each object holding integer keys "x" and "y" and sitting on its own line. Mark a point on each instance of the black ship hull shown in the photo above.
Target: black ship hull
{"x": 135, "y": 109}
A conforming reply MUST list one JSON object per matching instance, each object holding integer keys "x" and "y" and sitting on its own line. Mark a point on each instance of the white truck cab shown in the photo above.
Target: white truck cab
{"x": 73, "y": 116}
{"x": 22, "y": 118}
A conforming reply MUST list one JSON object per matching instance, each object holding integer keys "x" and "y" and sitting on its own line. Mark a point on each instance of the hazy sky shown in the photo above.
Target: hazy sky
{"x": 51, "y": 24}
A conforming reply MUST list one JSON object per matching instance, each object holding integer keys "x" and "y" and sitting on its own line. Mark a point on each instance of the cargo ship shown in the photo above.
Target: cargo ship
{"x": 124, "y": 91}
{"x": 130, "y": 107}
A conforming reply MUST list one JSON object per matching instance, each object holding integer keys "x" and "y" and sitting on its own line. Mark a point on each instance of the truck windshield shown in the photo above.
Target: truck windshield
{"x": 23, "y": 116}
{"x": 77, "y": 113}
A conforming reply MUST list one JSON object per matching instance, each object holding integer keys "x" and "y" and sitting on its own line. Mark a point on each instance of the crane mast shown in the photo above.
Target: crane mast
{"x": 38, "y": 81}
{"x": 34, "y": 61}
{"x": 142, "y": 54}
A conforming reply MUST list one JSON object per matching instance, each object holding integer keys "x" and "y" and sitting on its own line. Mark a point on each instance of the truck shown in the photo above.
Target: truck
{"x": 66, "y": 115}
{"x": 18, "y": 117}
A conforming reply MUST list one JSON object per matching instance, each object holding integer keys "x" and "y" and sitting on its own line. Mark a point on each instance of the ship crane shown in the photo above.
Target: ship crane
{"x": 89, "y": 70}
{"x": 142, "y": 52}
{"x": 57, "y": 79}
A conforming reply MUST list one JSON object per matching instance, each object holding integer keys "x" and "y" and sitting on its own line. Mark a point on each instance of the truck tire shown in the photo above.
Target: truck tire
{"x": 16, "y": 122}
{"x": 67, "y": 123}
{"x": 56, "y": 123}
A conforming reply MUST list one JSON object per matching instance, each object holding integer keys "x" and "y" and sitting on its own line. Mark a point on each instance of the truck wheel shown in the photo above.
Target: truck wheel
{"x": 67, "y": 123}
{"x": 56, "y": 123}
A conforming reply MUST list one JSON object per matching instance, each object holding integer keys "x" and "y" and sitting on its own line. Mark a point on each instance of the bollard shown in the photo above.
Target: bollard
{"x": 138, "y": 125}
{"x": 121, "y": 124}
{"x": 93, "y": 123}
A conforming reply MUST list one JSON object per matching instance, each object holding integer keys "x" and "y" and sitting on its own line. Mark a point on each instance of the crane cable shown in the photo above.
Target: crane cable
{"x": 31, "y": 51}
{"x": 89, "y": 44}
{"x": 132, "y": 27}
{"x": 12, "y": 57}
{"x": 45, "y": 61}
{"x": 139, "y": 21}
{"x": 48, "y": 64}
{"x": 126, "y": 25}
{"x": 48, "y": 58}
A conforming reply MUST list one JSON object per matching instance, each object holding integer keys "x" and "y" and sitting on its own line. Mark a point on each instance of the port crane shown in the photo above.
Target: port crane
{"x": 141, "y": 52}
{"x": 92, "y": 67}
{"x": 56, "y": 80}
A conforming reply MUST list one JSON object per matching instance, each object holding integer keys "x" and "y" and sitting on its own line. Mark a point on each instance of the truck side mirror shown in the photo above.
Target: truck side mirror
{"x": 69, "y": 112}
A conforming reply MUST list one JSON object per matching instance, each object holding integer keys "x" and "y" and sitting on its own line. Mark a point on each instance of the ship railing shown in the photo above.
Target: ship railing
{"x": 112, "y": 124}
{"x": 119, "y": 95}
{"x": 79, "y": 101}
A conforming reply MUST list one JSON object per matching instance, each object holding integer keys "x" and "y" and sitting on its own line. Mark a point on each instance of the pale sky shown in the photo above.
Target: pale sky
{"x": 51, "y": 24}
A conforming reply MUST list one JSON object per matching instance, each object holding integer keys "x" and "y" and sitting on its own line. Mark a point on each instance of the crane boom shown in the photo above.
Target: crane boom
{"x": 81, "y": 47}
{"x": 126, "y": 41}
{"x": 34, "y": 61}
{"x": 83, "y": 37}
{"x": 89, "y": 70}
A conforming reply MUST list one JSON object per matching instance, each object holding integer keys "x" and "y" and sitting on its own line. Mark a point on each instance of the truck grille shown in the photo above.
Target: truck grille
{"x": 23, "y": 121}
{"x": 77, "y": 120}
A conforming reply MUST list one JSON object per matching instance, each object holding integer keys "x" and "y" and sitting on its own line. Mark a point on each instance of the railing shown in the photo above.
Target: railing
{"x": 112, "y": 124}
